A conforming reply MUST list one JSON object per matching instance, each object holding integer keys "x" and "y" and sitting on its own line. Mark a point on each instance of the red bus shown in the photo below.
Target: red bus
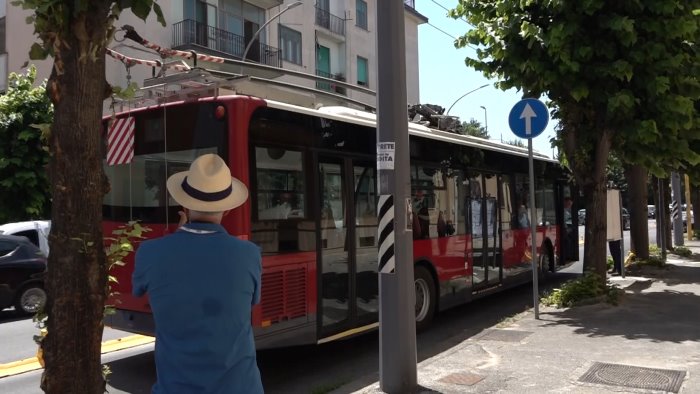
{"x": 313, "y": 211}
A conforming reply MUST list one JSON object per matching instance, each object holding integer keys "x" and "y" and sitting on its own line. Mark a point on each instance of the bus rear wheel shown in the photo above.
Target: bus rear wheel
{"x": 426, "y": 297}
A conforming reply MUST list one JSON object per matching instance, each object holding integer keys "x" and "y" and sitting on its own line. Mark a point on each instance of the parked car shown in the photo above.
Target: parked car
{"x": 22, "y": 268}
{"x": 625, "y": 218}
{"x": 37, "y": 231}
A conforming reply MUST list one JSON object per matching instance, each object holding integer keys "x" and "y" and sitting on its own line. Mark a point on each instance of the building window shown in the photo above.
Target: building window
{"x": 290, "y": 42}
{"x": 2, "y": 35}
{"x": 361, "y": 14}
{"x": 362, "y": 72}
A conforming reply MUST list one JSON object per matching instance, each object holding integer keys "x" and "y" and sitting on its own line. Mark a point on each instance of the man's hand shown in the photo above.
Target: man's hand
{"x": 183, "y": 218}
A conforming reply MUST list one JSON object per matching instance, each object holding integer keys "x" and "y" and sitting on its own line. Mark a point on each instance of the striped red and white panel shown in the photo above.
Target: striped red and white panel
{"x": 120, "y": 141}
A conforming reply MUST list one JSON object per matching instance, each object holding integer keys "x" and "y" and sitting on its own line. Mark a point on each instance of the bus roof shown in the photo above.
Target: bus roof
{"x": 369, "y": 119}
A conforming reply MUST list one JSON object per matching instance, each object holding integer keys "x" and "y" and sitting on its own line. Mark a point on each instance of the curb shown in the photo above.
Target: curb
{"x": 32, "y": 363}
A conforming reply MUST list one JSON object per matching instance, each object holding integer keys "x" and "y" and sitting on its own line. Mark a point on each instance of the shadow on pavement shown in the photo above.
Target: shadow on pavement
{"x": 352, "y": 364}
{"x": 450, "y": 328}
{"x": 135, "y": 374}
{"x": 663, "y": 310}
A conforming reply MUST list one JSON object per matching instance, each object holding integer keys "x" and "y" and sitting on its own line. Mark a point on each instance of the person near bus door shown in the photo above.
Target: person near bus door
{"x": 202, "y": 283}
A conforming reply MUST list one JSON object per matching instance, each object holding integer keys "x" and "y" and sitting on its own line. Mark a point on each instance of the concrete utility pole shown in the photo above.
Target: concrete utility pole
{"x": 676, "y": 209}
{"x": 397, "y": 321}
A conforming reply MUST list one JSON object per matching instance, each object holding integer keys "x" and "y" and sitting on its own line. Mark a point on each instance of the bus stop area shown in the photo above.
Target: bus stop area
{"x": 650, "y": 342}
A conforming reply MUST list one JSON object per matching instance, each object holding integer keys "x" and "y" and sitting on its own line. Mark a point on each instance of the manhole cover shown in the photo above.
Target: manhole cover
{"x": 504, "y": 335}
{"x": 464, "y": 379}
{"x": 635, "y": 377}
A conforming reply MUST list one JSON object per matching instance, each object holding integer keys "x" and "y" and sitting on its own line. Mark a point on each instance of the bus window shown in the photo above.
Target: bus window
{"x": 280, "y": 222}
{"x": 544, "y": 200}
{"x": 434, "y": 195}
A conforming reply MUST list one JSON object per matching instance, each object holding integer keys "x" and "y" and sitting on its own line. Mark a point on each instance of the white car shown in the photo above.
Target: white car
{"x": 37, "y": 231}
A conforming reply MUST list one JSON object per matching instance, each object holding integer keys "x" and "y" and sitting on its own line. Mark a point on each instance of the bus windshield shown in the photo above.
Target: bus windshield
{"x": 166, "y": 141}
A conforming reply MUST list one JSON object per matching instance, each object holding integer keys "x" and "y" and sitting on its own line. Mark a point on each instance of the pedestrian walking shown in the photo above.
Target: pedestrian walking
{"x": 202, "y": 283}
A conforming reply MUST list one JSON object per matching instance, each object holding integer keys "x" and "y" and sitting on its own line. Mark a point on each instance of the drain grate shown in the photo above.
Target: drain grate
{"x": 504, "y": 335}
{"x": 463, "y": 378}
{"x": 635, "y": 377}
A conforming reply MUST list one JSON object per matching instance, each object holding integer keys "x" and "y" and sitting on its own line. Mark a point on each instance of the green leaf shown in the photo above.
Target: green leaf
{"x": 141, "y": 8}
{"x": 25, "y": 135}
{"x": 37, "y": 52}
{"x": 159, "y": 13}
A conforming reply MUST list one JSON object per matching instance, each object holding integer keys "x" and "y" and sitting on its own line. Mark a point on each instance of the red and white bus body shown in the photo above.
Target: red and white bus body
{"x": 312, "y": 210}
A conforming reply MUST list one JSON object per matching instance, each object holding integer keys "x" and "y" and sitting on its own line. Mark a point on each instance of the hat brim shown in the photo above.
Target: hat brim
{"x": 237, "y": 197}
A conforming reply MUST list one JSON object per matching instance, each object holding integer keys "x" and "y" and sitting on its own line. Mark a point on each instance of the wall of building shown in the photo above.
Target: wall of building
{"x": 344, "y": 49}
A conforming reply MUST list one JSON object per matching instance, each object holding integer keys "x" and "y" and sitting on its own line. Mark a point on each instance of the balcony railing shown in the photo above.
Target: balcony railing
{"x": 329, "y": 21}
{"x": 330, "y": 86}
{"x": 189, "y": 32}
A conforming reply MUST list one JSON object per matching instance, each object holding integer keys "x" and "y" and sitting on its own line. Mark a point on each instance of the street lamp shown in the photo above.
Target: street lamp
{"x": 465, "y": 95}
{"x": 486, "y": 120}
{"x": 252, "y": 39}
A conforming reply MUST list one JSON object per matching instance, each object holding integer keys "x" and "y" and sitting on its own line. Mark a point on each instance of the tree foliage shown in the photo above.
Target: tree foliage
{"x": 25, "y": 111}
{"x": 474, "y": 128}
{"x": 620, "y": 75}
{"x": 76, "y": 33}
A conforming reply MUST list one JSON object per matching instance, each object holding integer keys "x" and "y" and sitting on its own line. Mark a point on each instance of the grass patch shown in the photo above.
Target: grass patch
{"x": 588, "y": 289}
{"x": 654, "y": 260}
{"x": 682, "y": 251}
{"x": 510, "y": 320}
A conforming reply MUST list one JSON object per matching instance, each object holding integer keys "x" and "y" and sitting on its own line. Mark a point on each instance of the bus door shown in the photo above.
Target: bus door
{"x": 484, "y": 225}
{"x": 348, "y": 287}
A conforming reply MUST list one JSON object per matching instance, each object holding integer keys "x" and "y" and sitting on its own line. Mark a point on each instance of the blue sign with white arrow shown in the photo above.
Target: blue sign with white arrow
{"x": 528, "y": 118}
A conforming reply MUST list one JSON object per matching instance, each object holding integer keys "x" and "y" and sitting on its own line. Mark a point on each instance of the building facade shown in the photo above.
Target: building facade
{"x": 335, "y": 39}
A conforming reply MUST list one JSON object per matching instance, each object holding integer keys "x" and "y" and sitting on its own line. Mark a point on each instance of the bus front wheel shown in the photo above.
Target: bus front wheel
{"x": 426, "y": 297}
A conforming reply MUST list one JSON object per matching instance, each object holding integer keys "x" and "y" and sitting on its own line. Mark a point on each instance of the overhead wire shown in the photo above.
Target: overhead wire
{"x": 446, "y": 9}
{"x": 446, "y": 33}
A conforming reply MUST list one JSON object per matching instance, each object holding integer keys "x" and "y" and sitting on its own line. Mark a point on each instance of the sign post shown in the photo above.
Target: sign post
{"x": 397, "y": 320}
{"x": 676, "y": 209}
{"x": 527, "y": 119}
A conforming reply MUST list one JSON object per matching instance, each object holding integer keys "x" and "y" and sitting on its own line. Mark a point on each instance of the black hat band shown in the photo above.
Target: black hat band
{"x": 204, "y": 196}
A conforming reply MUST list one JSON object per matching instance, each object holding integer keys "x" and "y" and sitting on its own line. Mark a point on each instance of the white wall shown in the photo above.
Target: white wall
{"x": 18, "y": 48}
{"x": 3, "y": 72}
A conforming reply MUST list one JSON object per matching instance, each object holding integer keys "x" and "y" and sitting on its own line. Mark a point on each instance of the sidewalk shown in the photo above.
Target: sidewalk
{"x": 648, "y": 343}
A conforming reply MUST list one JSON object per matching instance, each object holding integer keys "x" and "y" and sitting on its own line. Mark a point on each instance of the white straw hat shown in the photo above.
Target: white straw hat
{"x": 208, "y": 186}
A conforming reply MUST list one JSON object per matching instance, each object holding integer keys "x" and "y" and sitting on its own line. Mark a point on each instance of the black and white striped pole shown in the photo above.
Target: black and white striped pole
{"x": 397, "y": 322}
{"x": 676, "y": 209}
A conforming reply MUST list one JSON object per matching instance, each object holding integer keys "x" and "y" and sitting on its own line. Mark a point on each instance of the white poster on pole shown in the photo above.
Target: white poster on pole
{"x": 614, "y": 212}
{"x": 385, "y": 155}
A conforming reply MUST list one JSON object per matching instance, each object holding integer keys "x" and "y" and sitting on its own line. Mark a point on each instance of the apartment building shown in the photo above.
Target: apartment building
{"x": 335, "y": 39}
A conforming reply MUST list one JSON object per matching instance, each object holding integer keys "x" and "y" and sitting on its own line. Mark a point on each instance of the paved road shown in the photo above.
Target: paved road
{"x": 314, "y": 368}
{"x": 16, "y": 336}
{"x": 301, "y": 369}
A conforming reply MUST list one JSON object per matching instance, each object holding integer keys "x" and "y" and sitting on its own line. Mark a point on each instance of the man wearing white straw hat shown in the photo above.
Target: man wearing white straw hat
{"x": 202, "y": 283}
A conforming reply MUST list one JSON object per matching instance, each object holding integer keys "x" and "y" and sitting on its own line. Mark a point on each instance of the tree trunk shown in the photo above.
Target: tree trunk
{"x": 594, "y": 252}
{"x": 639, "y": 223}
{"x": 77, "y": 274}
{"x": 595, "y": 192}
